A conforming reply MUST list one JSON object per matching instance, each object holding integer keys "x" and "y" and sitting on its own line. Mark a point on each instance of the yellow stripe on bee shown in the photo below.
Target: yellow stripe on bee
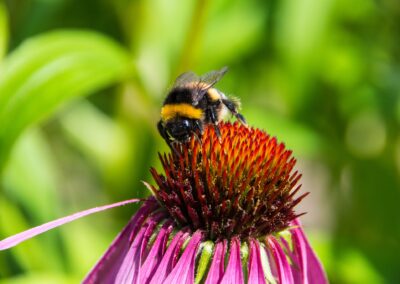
{"x": 170, "y": 111}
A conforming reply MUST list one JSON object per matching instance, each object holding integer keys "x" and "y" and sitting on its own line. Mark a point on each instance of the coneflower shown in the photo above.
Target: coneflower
{"x": 222, "y": 212}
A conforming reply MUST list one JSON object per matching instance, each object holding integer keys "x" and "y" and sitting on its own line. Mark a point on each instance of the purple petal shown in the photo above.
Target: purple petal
{"x": 23, "y": 236}
{"x": 234, "y": 272}
{"x": 296, "y": 265}
{"x": 282, "y": 264}
{"x": 256, "y": 272}
{"x": 129, "y": 271}
{"x": 298, "y": 259}
{"x": 153, "y": 221}
{"x": 131, "y": 263}
{"x": 156, "y": 253}
{"x": 272, "y": 263}
{"x": 166, "y": 263}
{"x": 183, "y": 272}
{"x": 217, "y": 265}
{"x": 312, "y": 270}
{"x": 108, "y": 266}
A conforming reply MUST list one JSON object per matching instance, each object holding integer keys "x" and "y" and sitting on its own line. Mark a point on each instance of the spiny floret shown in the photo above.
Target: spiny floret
{"x": 241, "y": 185}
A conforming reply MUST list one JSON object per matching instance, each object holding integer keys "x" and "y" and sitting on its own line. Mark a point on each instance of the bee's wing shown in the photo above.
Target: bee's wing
{"x": 211, "y": 78}
{"x": 207, "y": 81}
{"x": 200, "y": 84}
{"x": 186, "y": 78}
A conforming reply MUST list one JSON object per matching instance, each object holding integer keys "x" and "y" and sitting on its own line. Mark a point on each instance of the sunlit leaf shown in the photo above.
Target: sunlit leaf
{"x": 30, "y": 180}
{"x": 356, "y": 268}
{"x": 49, "y": 70}
{"x": 111, "y": 153}
{"x": 3, "y": 29}
{"x": 89, "y": 236}
{"x": 30, "y": 255}
{"x": 42, "y": 278}
{"x": 30, "y": 177}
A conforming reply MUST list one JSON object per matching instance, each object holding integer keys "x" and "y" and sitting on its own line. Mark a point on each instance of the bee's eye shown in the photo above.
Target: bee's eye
{"x": 186, "y": 123}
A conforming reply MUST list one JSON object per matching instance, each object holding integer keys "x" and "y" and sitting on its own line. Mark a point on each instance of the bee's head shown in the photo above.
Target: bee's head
{"x": 180, "y": 129}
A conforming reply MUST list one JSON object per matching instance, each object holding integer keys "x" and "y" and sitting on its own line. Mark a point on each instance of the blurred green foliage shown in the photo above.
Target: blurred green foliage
{"x": 81, "y": 84}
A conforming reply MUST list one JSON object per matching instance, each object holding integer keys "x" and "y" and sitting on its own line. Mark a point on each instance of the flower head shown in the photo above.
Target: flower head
{"x": 241, "y": 185}
{"x": 223, "y": 212}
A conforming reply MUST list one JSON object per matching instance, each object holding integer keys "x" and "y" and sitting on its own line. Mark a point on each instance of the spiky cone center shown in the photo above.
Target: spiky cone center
{"x": 240, "y": 185}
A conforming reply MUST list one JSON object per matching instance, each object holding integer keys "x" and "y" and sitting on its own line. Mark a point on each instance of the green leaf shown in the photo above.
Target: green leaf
{"x": 30, "y": 255}
{"x": 49, "y": 70}
{"x": 30, "y": 180}
{"x": 42, "y": 278}
{"x": 355, "y": 267}
{"x": 3, "y": 29}
{"x": 30, "y": 177}
{"x": 112, "y": 151}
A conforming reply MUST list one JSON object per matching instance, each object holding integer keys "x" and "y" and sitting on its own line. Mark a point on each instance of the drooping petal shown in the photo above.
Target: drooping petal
{"x": 131, "y": 263}
{"x": 108, "y": 266}
{"x": 155, "y": 254}
{"x": 130, "y": 269}
{"x": 217, "y": 265}
{"x": 313, "y": 271}
{"x": 282, "y": 265}
{"x": 166, "y": 263}
{"x": 256, "y": 272}
{"x": 234, "y": 272}
{"x": 23, "y": 236}
{"x": 183, "y": 272}
{"x": 299, "y": 261}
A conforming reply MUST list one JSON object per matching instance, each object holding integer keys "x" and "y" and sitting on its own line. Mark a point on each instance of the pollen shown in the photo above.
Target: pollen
{"x": 242, "y": 185}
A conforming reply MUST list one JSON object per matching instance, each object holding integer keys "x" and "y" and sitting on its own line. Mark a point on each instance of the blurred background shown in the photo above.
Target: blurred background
{"x": 82, "y": 82}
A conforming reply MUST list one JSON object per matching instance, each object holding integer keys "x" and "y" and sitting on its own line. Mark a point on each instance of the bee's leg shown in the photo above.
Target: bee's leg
{"x": 198, "y": 126}
{"x": 163, "y": 133}
{"x": 174, "y": 147}
{"x": 196, "y": 136}
{"x": 213, "y": 119}
{"x": 233, "y": 109}
{"x": 171, "y": 143}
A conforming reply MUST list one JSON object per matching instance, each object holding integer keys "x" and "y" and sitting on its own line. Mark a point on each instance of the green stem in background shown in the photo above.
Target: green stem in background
{"x": 193, "y": 37}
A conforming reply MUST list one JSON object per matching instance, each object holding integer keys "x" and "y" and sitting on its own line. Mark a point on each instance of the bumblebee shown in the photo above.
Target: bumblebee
{"x": 192, "y": 103}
